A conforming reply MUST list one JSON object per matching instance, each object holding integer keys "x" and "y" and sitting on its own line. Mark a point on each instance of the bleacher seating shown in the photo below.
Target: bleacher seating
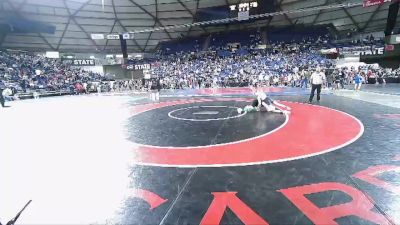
{"x": 185, "y": 63}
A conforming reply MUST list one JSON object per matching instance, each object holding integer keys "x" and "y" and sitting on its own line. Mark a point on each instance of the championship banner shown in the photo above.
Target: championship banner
{"x": 80, "y": 62}
{"x": 368, "y": 3}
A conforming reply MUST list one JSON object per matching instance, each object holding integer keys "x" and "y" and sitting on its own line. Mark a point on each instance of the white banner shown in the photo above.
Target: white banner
{"x": 113, "y": 36}
{"x": 80, "y": 62}
{"x": 329, "y": 51}
{"x": 52, "y": 55}
{"x": 138, "y": 67}
{"x": 128, "y": 36}
{"x": 367, "y": 50}
{"x": 97, "y": 36}
{"x": 243, "y": 15}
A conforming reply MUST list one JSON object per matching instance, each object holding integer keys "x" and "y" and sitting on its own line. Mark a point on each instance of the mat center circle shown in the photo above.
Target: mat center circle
{"x": 200, "y": 124}
{"x": 205, "y": 113}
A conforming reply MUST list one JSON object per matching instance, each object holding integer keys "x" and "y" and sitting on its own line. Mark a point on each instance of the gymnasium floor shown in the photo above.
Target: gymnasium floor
{"x": 192, "y": 159}
{"x": 392, "y": 89}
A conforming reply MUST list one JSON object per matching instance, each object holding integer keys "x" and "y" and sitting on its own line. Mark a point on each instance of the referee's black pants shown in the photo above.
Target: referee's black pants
{"x": 313, "y": 88}
{"x": 1, "y": 98}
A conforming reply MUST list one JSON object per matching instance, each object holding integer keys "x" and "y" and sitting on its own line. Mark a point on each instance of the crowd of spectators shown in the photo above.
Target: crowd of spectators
{"x": 281, "y": 63}
{"x": 277, "y": 64}
{"x": 369, "y": 73}
{"x": 27, "y": 73}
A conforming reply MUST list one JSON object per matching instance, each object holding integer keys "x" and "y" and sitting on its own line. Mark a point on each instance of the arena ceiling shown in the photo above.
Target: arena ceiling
{"x": 75, "y": 20}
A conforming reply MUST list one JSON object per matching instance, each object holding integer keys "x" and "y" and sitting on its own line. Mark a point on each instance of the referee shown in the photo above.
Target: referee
{"x": 2, "y": 87}
{"x": 316, "y": 79}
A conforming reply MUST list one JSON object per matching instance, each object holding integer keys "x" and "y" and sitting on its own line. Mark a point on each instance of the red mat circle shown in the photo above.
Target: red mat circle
{"x": 310, "y": 130}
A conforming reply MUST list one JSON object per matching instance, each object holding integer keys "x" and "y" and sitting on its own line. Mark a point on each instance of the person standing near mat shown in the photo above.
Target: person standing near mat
{"x": 158, "y": 86}
{"x": 317, "y": 79}
{"x": 2, "y": 100}
{"x": 357, "y": 81}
